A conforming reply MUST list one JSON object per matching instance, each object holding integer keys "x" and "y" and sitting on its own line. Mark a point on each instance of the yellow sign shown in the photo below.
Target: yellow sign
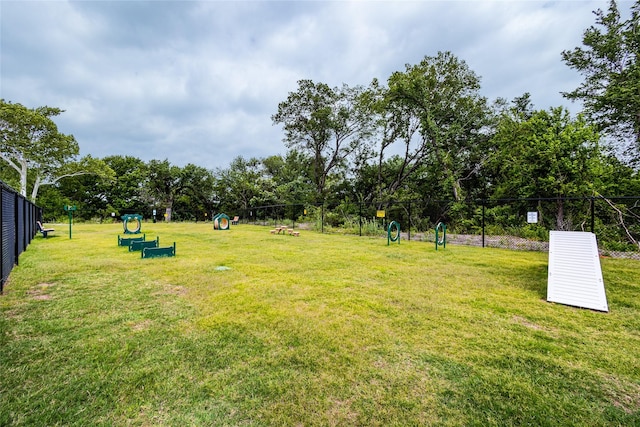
{"x": 380, "y": 214}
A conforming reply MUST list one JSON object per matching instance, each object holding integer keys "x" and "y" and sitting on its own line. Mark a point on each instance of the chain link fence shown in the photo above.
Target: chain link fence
{"x": 521, "y": 224}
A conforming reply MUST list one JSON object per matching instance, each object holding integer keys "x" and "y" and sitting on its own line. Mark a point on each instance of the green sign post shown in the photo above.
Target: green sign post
{"x": 69, "y": 209}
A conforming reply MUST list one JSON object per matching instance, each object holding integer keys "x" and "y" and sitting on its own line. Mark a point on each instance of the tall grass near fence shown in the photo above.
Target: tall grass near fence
{"x": 244, "y": 327}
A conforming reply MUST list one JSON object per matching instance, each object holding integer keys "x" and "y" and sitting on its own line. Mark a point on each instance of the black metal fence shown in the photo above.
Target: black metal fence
{"x": 507, "y": 223}
{"x": 18, "y": 217}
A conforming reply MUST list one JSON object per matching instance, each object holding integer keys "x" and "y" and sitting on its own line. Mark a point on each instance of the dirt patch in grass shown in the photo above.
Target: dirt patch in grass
{"x": 39, "y": 293}
{"x": 172, "y": 290}
{"x": 623, "y": 396}
{"x": 524, "y": 322}
{"x": 141, "y": 326}
{"x": 341, "y": 411}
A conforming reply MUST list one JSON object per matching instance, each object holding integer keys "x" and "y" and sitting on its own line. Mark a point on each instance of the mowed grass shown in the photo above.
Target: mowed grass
{"x": 316, "y": 330}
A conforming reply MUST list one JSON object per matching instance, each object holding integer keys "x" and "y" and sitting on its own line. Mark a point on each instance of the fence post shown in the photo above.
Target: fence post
{"x": 2, "y": 237}
{"x": 360, "y": 217}
{"x": 16, "y": 224}
{"x": 593, "y": 215}
{"x": 483, "y": 206}
{"x": 409, "y": 227}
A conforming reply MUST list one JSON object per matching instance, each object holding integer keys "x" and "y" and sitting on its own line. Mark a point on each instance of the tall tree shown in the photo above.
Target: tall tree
{"x": 164, "y": 184}
{"x": 124, "y": 194}
{"x": 197, "y": 195}
{"x": 327, "y": 123}
{"x": 610, "y": 64}
{"x": 242, "y": 185}
{"x": 546, "y": 154}
{"x": 32, "y": 145}
{"x": 433, "y": 114}
{"x": 290, "y": 177}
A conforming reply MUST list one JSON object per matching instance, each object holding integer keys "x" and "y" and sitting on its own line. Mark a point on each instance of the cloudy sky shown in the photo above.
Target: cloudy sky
{"x": 198, "y": 81}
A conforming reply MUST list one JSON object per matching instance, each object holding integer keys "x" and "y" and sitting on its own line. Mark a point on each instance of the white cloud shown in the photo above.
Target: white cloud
{"x": 197, "y": 82}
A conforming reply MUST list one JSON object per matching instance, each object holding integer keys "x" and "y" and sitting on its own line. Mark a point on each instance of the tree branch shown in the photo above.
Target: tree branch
{"x": 621, "y": 218}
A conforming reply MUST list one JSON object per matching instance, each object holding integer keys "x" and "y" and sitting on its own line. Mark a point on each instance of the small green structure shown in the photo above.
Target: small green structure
{"x": 135, "y": 219}
{"x": 138, "y": 245}
{"x": 168, "y": 251}
{"x": 126, "y": 241}
{"x": 393, "y": 233}
{"x": 221, "y": 222}
{"x": 441, "y": 235}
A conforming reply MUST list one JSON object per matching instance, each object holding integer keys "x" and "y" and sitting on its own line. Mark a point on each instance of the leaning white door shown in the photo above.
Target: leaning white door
{"x": 575, "y": 276}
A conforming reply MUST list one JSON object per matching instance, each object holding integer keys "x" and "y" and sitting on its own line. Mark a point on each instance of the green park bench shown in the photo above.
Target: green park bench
{"x": 159, "y": 252}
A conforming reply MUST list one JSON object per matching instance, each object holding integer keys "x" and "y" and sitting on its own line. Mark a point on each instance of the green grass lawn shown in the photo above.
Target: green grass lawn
{"x": 316, "y": 330}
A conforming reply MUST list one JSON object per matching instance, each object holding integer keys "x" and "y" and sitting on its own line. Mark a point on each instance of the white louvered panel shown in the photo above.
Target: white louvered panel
{"x": 575, "y": 276}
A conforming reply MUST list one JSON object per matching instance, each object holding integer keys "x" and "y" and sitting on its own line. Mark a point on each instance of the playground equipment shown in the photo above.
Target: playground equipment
{"x": 393, "y": 233}
{"x": 126, "y": 241}
{"x": 139, "y": 245}
{"x": 147, "y": 248}
{"x": 168, "y": 251}
{"x": 136, "y": 219}
{"x": 441, "y": 235}
{"x": 221, "y": 222}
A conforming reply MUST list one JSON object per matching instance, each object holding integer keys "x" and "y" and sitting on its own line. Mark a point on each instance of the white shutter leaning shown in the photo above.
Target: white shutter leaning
{"x": 575, "y": 276}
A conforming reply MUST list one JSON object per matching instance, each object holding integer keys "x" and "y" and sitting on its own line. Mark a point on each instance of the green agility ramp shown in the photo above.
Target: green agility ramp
{"x": 168, "y": 251}
{"x": 126, "y": 241}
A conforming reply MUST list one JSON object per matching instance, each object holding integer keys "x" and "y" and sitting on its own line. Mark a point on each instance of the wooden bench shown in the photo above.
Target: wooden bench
{"x": 138, "y": 245}
{"x": 126, "y": 241}
{"x": 235, "y": 220}
{"x": 44, "y": 231}
{"x": 159, "y": 252}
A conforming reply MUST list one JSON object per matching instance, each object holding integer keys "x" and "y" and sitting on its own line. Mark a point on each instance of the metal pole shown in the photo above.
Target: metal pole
{"x": 483, "y": 205}
{"x": 593, "y": 215}
{"x": 409, "y": 229}
{"x": 70, "y": 210}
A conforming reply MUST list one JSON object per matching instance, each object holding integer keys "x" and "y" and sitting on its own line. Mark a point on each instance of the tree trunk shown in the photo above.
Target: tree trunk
{"x": 23, "y": 177}
{"x": 560, "y": 225}
{"x": 36, "y": 187}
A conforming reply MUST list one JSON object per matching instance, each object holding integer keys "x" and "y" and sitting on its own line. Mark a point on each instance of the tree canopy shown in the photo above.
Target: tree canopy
{"x": 32, "y": 145}
{"x": 427, "y": 132}
{"x": 435, "y": 112}
{"x": 610, "y": 64}
{"x": 329, "y": 124}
